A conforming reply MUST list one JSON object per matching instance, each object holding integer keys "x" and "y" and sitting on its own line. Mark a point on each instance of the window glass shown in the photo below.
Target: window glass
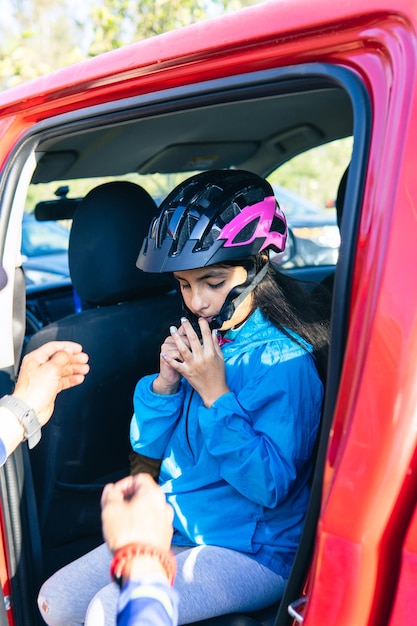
{"x": 305, "y": 186}
{"x": 306, "y": 189}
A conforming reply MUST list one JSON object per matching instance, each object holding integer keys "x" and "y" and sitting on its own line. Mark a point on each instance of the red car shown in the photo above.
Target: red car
{"x": 253, "y": 90}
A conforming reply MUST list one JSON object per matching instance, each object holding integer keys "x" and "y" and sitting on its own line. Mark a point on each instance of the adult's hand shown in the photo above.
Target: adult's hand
{"x": 134, "y": 510}
{"x": 51, "y": 368}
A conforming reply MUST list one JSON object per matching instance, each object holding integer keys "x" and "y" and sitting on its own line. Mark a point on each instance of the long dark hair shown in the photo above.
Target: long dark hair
{"x": 295, "y": 307}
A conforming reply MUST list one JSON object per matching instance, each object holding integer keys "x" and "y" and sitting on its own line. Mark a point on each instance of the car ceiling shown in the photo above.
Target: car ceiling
{"x": 254, "y": 133}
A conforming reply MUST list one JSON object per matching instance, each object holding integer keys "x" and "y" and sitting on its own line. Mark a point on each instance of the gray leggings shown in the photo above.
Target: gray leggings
{"x": 210, "y": 581}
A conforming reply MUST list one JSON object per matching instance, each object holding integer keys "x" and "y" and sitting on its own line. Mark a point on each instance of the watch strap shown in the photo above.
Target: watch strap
{"x": 26, "y": 416}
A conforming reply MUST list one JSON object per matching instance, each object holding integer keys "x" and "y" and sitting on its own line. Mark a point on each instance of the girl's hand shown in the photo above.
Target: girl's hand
{"x": 169, "y": 378}
{"x": 200, "y": 362}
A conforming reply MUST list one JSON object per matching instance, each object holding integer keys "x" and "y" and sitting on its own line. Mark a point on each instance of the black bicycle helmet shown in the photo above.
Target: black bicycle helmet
{"x": 214, "y": 217}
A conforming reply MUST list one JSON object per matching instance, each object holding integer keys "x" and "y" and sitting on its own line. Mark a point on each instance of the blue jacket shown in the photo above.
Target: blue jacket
{"x": 237, "y": 473}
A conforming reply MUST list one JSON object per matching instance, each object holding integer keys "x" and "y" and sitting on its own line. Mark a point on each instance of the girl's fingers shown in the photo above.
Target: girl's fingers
{"x": 175, "y": 363}
{"x": 215, "y": 338}
{"x": 185, "y": 338}
{"x": 169, "y": 347}
{"x": 196, "y": 344}
{"x": 206, "y": 333}
{"x": 179, "y": 344}
{"x": 191, "y": 353}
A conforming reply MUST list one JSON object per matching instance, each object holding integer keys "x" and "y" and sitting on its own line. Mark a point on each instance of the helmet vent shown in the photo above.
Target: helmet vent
{"x": 278, "y": 225}
{"x": 160, "y": 230}
{"x": 210, "y": 238}
{"x": 185, "y": 231}
{"x": 229, "y": 213}
{"x": 247, "y": 232}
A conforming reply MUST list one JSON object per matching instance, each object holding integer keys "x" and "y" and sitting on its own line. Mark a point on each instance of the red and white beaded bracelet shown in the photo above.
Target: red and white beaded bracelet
{"x": 124, "y": 556}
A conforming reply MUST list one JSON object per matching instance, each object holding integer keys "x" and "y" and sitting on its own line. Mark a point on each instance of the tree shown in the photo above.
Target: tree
{"x": 40, "y": 36}
{"x": 119, "y": 22}
{"x": 315, "y": 174}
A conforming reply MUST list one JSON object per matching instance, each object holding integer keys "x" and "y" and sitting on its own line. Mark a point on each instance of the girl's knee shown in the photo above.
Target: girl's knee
{"x": 55, "y": 607}
{"x": 47, "y": 609}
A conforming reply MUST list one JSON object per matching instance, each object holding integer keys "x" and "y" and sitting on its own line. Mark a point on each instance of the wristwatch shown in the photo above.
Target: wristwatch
{"x": 26, "y": 416}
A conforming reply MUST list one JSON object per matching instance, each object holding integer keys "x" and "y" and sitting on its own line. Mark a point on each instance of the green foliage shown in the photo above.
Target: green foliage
{"x": 118, "y": 22}
{"x": 40, "y": 36}
{"x": 316, "y": 174}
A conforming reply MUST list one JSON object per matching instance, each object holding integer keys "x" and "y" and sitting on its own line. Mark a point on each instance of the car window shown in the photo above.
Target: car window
{"x": 307, "y": 194}
{"x": 45, "y": 241}
{"x": 40, "y": 238}
{"x": 44, "y": 250}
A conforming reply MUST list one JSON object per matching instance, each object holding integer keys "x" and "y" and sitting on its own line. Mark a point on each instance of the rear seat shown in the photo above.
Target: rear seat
{"x": 125, "y": 316}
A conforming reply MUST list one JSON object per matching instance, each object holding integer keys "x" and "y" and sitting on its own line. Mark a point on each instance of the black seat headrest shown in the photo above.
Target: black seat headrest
{"x": 108, "y": 229}
{"x": 340, "y": 197}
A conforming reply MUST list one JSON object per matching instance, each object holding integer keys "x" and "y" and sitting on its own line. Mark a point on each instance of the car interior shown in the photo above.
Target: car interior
{"x": 121, "y": 326}
{"x": 120, "y": 315}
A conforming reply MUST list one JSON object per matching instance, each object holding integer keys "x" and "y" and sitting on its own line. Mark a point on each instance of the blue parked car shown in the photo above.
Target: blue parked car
{"x": 314, "y": 234}
{"x": 44, "y": 250}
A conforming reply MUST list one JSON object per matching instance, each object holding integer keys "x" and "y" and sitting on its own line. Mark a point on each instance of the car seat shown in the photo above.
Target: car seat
{"x": 328, "y": 281}
{"x": 124, "y": 319}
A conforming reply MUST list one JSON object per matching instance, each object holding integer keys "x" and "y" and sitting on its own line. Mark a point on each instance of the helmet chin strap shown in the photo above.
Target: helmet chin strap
{"x": 231, "y": 303}
{"x": 234, "y": 298}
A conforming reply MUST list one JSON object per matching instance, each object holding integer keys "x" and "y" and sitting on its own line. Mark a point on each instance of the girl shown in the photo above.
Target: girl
{"x": 233, "y": 412}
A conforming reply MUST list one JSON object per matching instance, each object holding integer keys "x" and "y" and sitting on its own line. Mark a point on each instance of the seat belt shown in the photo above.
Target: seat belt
{"x": 19, "y": 315}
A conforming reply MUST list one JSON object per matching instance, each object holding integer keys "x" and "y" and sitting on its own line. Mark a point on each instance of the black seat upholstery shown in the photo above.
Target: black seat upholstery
{"x": 328, "y": 282}
{"x": 86, "y": 443}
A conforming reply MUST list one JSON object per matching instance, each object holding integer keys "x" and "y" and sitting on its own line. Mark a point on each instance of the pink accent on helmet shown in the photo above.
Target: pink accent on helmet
{"x": 265, "y": 210}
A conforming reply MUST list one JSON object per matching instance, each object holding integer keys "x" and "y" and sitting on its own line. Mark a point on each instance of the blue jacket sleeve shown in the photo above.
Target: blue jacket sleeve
{"x": 147, "y": 603}
{"x": 263, "y": 435}
{"x": 154, "y": 419}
